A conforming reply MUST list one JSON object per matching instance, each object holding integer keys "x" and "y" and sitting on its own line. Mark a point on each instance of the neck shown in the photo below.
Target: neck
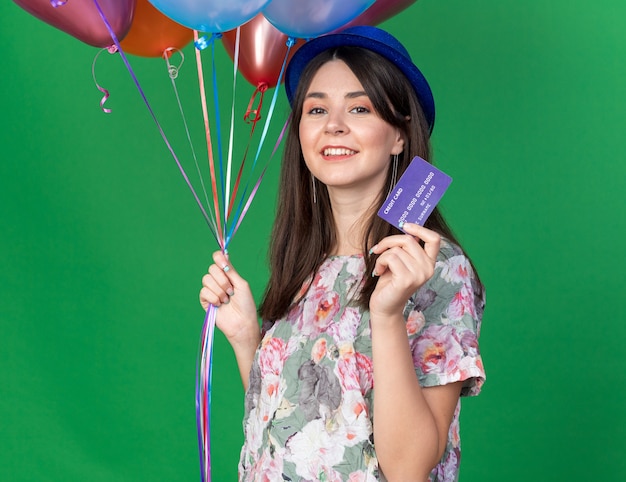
{"x": 349, "y": 211}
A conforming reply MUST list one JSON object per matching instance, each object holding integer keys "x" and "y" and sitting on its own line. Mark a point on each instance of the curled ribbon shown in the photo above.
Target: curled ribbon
{"x": 252, "y": 116}
{"x": 172, "y": 69}
{"x": 112, "y": 49}
{"x": 205, "y": 41}
{"x": 151, "y": 111}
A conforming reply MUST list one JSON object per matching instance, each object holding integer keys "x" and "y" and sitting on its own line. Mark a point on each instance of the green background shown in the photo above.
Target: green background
{"x": 102, "y": 248}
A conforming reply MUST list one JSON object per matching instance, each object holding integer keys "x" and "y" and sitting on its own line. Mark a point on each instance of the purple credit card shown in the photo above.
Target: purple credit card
{"x": 416, "y": 194}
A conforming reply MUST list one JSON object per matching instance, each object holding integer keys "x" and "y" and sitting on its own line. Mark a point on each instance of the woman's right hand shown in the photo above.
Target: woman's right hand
{"x": 223, "y": 287}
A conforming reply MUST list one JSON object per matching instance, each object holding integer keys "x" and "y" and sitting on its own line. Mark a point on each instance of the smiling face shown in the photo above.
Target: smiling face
{"x": 345, "y": 144}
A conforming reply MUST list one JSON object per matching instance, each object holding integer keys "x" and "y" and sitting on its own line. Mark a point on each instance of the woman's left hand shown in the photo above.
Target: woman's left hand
{"x": 403, "y": 266}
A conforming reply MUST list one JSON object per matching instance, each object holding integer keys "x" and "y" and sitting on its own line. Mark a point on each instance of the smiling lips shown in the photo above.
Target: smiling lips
{"x": 337, "y": 151}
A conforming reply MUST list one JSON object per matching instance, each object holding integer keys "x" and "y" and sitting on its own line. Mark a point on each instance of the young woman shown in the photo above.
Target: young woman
{"x": 369, "y": 332}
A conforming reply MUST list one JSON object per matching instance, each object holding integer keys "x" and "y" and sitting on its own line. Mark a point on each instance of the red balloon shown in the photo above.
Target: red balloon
{"x": 380, "y": 11}
{"x": 151, "y": 32}
{"x": 262, "y": 49}
{"x": 80, "y": 18}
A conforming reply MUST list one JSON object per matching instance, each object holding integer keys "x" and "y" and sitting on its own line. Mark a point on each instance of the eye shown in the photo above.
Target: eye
{"x": 360, "y": 109}
{"x": 316, "y": 111}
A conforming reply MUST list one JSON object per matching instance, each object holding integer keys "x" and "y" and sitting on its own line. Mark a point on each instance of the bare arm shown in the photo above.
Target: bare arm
{"x": 224, "y": 288}
{"x": 410, "y": 423}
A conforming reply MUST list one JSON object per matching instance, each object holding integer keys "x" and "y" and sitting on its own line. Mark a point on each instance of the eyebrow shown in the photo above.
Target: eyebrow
{"x": 349, "y": 95}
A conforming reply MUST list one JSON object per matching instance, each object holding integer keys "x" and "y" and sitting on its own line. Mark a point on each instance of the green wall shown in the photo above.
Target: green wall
{"x": 102, "y": 248}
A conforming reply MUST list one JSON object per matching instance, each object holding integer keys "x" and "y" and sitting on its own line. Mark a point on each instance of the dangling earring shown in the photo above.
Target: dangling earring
{"x": 314, "y": 189}
{"x": 394, "y": 173}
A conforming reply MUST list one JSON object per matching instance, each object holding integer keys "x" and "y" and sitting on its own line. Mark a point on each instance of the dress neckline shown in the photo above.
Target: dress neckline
{"x": 345, "y": 256}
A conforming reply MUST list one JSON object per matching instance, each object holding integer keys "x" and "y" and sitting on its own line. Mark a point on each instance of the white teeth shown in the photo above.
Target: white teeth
{"x": 337, "y": 151}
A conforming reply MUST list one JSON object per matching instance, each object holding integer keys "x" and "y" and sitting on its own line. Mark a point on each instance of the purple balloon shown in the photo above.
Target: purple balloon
{"x": 80, "y": 18}
{"x": 310, "y": 18}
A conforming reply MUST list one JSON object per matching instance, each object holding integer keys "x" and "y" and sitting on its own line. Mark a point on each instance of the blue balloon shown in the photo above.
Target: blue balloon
{"x": 210, "y": 15}
{"x": 310, "y": 18}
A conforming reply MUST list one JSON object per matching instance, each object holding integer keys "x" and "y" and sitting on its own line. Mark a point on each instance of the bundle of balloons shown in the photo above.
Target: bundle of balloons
{"x": 259, "y": 36}
{"x": 148, "y": 27}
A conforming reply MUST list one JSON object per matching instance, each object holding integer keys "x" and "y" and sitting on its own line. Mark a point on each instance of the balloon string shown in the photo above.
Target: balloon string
{"x": 218, "y": 123}
{"x": 152, "y": 114}
{"x": 205, "y": 114}
{"x": 252, "y": 116}
{"x": 290, "y": 43}
{"x": 204, "y": 378}
{"x": 258, "y": 183}
{"x": 240, "y": 173}
{"x": 261, "y": 89}
{"x": 111, "y": 50}
{"x": 173, "y": 74}
{"x": 228, "y": 202}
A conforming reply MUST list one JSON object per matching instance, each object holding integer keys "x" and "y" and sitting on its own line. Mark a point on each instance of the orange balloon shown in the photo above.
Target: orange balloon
{"x": 262, "y": 49}
{"x": 152, "y": 32}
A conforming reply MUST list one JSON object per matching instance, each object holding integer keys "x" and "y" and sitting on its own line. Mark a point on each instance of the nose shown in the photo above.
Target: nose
{"x": 335, "y": 124}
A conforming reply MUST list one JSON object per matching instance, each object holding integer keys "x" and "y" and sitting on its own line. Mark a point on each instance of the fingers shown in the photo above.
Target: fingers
{"x": 415, "y": 233}
{"x": 219, "y": 284}
{"x": 221, "y": 260}
{"x": 404, "y": 265}
{"x": 403, "y": 254}
{"x": 432, "y": 240}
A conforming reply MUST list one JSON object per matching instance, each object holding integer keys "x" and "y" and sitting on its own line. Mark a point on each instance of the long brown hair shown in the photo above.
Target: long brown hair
{"x": 304, "y": 232}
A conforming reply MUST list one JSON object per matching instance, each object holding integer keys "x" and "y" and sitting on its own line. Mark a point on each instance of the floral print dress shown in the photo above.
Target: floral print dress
{"x": 308, "y": 413}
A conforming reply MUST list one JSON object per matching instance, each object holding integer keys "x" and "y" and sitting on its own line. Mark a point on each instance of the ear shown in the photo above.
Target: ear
{"x": 398, "y": 144}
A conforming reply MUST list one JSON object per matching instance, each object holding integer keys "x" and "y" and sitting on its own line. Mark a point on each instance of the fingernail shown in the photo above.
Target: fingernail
{"x": 401, "y": 224}
{"x": 374, "y": 274}
{"x": 371, "y": 251}
{"x": 226, "y": 268}
{"x": 231, "y": 292}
